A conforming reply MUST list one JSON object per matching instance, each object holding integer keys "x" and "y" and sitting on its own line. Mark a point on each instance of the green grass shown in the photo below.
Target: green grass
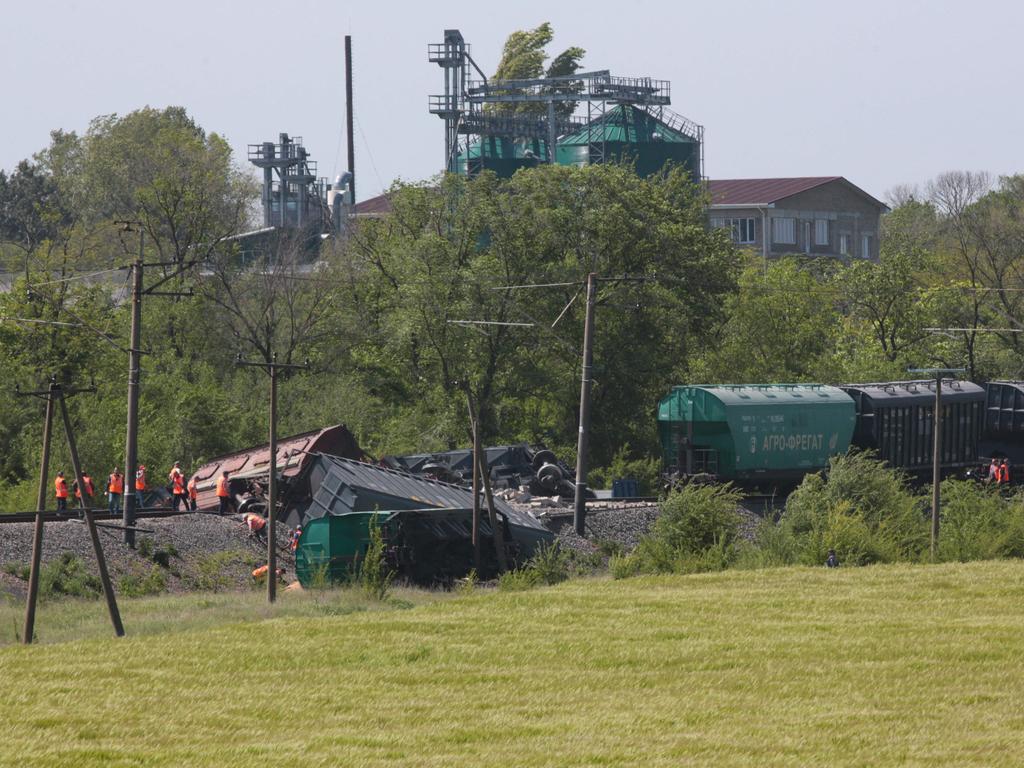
{"x": 887, "y": 665}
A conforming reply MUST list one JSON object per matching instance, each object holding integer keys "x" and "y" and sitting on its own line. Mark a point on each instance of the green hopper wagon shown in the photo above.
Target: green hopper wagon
{"x": 754, "y": 433}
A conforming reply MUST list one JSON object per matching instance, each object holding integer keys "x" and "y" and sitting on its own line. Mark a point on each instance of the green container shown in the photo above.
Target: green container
{"x": 756, "y": 432}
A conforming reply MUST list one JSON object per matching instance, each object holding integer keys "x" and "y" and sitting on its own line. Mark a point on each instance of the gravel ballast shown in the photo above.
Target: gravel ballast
{"x": 201, "y": 551}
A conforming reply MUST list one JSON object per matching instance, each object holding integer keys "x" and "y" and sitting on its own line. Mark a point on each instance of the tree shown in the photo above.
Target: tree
{"x": 523, "y": 58}
{"x": 782, "y": 326}
{"x": 459, "y": 251}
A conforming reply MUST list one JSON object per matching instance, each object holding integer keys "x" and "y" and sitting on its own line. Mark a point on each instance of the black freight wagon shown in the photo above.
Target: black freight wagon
{"x": 896, "y": 419}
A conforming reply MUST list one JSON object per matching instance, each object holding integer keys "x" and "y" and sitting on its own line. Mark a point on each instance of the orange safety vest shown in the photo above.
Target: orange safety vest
{"x": 179, "y": 483}
{"x": 116, "y": 483}
{"x": 87, "y": 482}
{"x": 1003, "y": 474}
{"x": 140, "y": 480}
{"x": 222, "y": 487}
{"x": 62, "y": 487}
{"x": 255, "y": 522}
{"x": 192, "y": 491}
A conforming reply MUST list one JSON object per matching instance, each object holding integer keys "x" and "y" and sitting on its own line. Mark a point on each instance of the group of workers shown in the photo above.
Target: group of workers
{"x": 998, "y": 472}
{"x": 184, "y": 491}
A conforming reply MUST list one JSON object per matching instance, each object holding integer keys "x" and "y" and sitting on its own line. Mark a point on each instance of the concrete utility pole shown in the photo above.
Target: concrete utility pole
{"x": 579, "y": 509}
{"x": 272, "y": 368}
{"x": 131, "y": 443}
{"x": 938, "y": 373}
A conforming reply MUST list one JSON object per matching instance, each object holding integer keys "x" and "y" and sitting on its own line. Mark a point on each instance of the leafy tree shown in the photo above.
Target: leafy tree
{"x": 523, "y": 58}
{"x": 456, "y": 252}
{"x": 782, "y": 326}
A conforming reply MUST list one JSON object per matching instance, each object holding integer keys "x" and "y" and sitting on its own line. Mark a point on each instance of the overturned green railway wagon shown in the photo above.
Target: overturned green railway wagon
{"x": 426, "y": 524}
{"x": 754, "y": 433}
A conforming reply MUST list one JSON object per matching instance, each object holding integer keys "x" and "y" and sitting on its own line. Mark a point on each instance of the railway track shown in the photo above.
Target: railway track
{"x": 73, "y": 515}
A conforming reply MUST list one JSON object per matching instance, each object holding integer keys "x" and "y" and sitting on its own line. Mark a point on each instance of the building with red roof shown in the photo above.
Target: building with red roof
{"x": 812, "y": 215}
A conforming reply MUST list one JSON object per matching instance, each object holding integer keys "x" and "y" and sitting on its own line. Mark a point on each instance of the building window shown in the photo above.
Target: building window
{"x": 865, "y": 246}
{"x": 844, "y": 244}
{"x": 784, "y": 231}
{"x": 742, "y": 230}
{"x": 821, "y": 231}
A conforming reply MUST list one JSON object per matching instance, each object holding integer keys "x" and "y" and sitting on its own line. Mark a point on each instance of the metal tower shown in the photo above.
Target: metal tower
{"x": 462, "y": 105}
{"x": 293, "y": 196}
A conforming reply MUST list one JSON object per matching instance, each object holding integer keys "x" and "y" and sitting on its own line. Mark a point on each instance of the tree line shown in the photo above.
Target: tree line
{"x": 467, "y": 285}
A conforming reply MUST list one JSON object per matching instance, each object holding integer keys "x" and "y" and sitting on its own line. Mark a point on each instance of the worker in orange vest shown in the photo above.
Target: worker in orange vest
{"x": 193, "y": 494}
{"x": 224, "y": 493}
{"x": 255, "y": 523}
{"x": 89, "y": 490}
{"x": 177, "y": 481}
{"x": 1003, "y": 474}
{"x": 261, "y": 573}
{"x": 60, "y": 486}
{"x": 115, "y": 490}
{"x": 140, "y": 485}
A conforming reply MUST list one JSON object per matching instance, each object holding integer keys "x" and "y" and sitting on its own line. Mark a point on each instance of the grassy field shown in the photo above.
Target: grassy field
{"x": 894, "y": 665}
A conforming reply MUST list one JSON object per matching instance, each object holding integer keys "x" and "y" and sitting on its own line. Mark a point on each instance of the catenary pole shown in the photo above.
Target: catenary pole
{"x": 272, "y": 367}
{"x": 131, "y": 443}
{"x": 272, "y": 490}
{"x": 579, "y": 508}
{"x": 936, "y": 460}
{"x": 37, "y": 535}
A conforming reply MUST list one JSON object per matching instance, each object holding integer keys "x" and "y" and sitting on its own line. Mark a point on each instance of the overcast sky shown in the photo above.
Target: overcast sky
{"x": 882, "y": 92}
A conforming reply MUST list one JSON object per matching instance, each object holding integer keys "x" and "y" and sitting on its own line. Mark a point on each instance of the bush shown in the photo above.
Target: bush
{"x": 774, "y": 546}
{"x": 218, "y": 571}
{"x": 549, "y": 565}
{"x": 623, "y": 566}
{"x": 67, "y": 577}
{"x": 142, "y": 583}
{"x": 862, "y": 509}
{"x": 18, "y": 570}
{"x": 646, "y": 470}
{"x": 374, "y": 574}
{"x": 695, "y": 532}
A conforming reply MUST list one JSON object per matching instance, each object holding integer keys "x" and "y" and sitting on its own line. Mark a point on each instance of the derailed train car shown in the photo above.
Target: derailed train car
{"x": 426, "y": 524}
{"x": 774, "y": 434}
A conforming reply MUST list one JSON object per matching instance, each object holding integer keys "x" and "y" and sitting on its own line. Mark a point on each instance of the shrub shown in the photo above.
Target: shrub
{"x": 142, "y": 583}
{"x": 18, "y": 570}
{"x": 218, "y": 571}
{"x": 695, "y": 532}
{"x": 550, "y": 563}
{"x": 862, "y": 509}
{"x": 68, "y": 577}
{"x": 623, "y": 566}
{"x": 646, "y": 470}
{"x": 518, "y": 580}
{"x": 773, "y": 546}
{"x": 374, "y": 574}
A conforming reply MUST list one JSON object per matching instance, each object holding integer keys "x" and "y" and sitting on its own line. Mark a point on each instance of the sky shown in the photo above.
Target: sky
{"x": 883, "y": 92}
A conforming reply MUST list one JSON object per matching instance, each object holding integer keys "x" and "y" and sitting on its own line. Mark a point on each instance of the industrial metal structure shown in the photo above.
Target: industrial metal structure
{"x": 624, "y": 118}
{"x": 293, "y": 196}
